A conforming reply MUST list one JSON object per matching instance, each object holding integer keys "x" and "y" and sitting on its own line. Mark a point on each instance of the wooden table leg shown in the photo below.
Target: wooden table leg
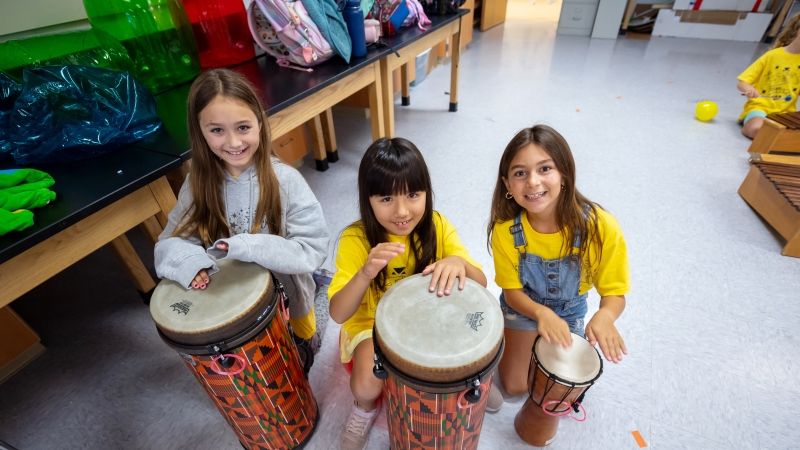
{"x": 162, "y": 192}
{"x": 404, "y": 80}
{"x": 456, "y": 50}
{"x": 376, "y": 106}
{"x": 133, "y": 267}
{"x": 387, "y": 97}
{"x": 318, "y": 143}
{"x": 330, "y": 136}
{"x": 178, "y": 176}
{"x": 19, "y": 344}
{"x": 151, "y": 228}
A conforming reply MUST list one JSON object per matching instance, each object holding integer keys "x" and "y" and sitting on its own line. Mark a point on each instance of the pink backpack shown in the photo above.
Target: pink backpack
{"x": 284, "y": 30}
{"x": 416, "y": 13}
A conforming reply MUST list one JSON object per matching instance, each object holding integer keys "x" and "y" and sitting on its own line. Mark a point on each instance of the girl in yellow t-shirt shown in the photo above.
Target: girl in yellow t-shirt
{"x": 772, "y": 83}
{"x": 399, "y": 234}
{"x": 551, "y": 245}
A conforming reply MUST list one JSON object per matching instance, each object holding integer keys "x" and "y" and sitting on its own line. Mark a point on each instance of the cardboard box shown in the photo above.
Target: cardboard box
{"x": 723, "y": 25}
{"x": 721, "y": 5}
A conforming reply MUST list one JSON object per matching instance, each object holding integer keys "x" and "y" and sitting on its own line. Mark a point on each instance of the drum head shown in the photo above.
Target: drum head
{"x": 580, "y": 364}
{"x": 236, "y": 296}
{"x": 438, "y": 339}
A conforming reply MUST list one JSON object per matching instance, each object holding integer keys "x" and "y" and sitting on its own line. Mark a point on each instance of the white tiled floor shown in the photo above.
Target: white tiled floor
{"x": 711, "y": 323}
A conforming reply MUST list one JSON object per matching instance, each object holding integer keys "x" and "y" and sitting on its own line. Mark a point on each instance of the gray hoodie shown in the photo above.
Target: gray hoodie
{"x": 291, "y": 257}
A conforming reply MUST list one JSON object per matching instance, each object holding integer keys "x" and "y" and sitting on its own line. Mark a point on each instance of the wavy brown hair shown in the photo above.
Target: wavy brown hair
{"x": 396, "y": 167}
{"x": 576, "y": 215}
{"x": 206, "y": 217}
{"x": 789, "y": 32}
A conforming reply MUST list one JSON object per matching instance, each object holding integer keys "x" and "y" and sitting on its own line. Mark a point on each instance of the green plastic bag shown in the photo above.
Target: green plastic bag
{"x": 92, "y": 48}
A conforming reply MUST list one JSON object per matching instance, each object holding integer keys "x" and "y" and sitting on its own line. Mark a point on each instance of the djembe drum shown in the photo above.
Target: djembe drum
{"x": 557, "y": 381}
{"x": 436, "y": 355}
{"x": 234, "y": 338}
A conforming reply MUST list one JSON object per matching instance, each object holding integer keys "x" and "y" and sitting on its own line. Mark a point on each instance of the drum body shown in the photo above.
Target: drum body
{"x": 557, "y": 380}
{"x": 234, "y": 338}
{"x": 438, "y": 354}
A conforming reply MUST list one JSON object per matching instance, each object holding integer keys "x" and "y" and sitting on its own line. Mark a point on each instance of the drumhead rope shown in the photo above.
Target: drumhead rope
{"x": 571, "y": 375}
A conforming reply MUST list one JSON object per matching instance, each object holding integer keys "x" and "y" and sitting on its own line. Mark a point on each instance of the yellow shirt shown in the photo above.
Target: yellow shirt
{"x": 775, "y": 74}
{"x": 351, "y": 256}
{"x": 610, "y": 276}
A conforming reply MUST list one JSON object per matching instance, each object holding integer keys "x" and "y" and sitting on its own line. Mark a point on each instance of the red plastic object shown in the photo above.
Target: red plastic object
{"x": 221, "y": 31}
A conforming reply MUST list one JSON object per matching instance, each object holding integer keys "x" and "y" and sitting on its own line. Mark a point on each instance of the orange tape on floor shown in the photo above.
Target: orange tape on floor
{"x": 639, "y": 439}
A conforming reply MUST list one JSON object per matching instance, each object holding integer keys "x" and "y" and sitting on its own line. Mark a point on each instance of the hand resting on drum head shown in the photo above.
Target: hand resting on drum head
{"x": 202, "y": 279}
{"x": 447, "y": 270}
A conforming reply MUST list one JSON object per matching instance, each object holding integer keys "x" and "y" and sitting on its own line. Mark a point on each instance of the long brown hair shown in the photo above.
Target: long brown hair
{"x": 395, "y": 167}
{"x": 789, "y": 32}
{"x": 206, "y": 217}
{"x": 576, "y": 215}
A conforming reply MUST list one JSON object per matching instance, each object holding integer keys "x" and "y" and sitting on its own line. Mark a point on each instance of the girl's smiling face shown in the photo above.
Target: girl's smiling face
{"x": 534, "y": 181}
{"x": 232, "y": 132}
{"x": 399, "y": 214}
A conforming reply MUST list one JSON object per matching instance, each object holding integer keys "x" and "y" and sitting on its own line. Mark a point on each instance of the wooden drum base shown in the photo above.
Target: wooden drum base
{"x": 534, "y": 426}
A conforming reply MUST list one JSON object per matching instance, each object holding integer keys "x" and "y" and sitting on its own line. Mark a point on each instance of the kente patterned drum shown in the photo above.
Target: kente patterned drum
{"x": 436, "y": 356}
{"x": 234, "y": 338}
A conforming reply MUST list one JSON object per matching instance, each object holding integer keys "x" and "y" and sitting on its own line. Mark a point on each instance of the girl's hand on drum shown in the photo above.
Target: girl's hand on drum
{"x": 554, "y": 329}
{"x": 380, "y": 256}
{"x": 201, "y": 280}
{"x": 601, "y": 330}
{"x": 447, "y": 270}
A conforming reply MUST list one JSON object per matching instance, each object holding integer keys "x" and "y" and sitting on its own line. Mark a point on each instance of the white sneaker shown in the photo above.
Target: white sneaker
{"x": 356, "y": 430}
{"x": 495, "y": 400}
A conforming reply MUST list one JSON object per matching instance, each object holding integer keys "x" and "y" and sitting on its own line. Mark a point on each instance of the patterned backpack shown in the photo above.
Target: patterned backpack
{"x": 416, "y": 14}
{"x": 284, "y": 30}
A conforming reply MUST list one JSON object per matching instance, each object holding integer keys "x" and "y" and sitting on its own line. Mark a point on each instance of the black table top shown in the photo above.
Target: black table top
{"x": 279, "y": 87}
{"x": 84, "y": 187}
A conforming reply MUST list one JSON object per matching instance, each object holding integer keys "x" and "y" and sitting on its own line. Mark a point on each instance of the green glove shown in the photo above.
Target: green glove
{"x": 17, "y": 220}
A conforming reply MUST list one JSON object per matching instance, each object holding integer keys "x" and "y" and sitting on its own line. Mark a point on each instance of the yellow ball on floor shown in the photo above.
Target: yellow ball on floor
{"x": 706, "y": 110}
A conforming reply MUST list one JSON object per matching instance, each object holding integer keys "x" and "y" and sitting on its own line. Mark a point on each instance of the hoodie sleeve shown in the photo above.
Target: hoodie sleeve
{"x": 304, "y": 246}
{"x": 178, "y": 258}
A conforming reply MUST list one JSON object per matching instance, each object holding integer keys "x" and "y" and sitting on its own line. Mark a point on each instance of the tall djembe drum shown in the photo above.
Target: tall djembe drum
{"x": 436, "y": 355}
{"x": 234, "y": 338}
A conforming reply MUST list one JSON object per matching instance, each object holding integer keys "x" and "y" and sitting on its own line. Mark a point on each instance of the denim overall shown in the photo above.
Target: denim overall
{"x": 553, "y": 283}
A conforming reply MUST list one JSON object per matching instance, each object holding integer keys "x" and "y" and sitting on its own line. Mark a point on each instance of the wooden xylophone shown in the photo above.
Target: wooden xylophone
{"x": 779, "y": 133}
{"x": 772, "y": 188}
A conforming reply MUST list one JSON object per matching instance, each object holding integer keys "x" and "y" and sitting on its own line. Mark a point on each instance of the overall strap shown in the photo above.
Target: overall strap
{"x": 520, "y": 243}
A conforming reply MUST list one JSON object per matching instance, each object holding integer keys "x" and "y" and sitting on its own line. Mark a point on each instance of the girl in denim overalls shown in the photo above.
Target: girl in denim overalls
{"x": 551, "y": 245}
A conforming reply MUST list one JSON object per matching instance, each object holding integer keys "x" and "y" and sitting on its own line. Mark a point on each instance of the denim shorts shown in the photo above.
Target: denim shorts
{"x": 574, "y": 316}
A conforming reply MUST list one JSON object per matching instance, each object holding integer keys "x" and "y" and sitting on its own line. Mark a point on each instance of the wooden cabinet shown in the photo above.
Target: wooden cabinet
{"x": 488, "y": 13}
{"x": 292, "y": 146}
{"x": 20, "y": 344}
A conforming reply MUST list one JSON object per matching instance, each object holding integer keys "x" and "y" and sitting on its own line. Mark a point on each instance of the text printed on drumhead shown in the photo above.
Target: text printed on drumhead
{"x": 474, "y": 320}
{"x": 182, "y": 307}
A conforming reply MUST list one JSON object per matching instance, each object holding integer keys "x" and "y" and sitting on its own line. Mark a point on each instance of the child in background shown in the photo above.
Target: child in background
{"x": 771, "y": 84}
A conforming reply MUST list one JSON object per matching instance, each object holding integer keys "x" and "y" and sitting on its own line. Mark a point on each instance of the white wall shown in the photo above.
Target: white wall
{"x": 20, "y": 16}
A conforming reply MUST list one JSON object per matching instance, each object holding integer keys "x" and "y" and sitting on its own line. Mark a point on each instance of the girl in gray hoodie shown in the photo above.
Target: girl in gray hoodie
{"x": 240, "y": 202}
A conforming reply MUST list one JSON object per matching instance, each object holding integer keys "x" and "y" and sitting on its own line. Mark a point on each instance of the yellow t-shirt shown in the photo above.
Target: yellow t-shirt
{"x": 775, "y": 74}
{"x": 351, "y": 256}
{"x": 610, "y": 276}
